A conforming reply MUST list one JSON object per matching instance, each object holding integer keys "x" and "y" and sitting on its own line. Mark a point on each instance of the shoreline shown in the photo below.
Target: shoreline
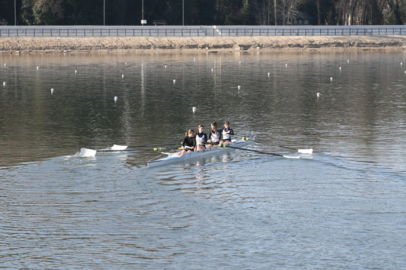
{"x": 24, "y": 45}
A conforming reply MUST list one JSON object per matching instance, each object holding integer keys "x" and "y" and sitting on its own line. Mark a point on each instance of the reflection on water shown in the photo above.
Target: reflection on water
{"x": 360, "y": 113}
{"x": 342, "y": 207}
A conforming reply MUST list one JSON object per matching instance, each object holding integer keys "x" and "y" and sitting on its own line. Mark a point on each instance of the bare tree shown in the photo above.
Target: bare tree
{"x": 261, "y": 11}
{"x": 352, "y": 5}
{"x": 274, "y": 10}
{"x": 289, "y": 7}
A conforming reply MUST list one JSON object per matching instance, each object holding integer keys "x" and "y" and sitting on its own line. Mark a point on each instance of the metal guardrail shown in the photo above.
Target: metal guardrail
{"x": 197, "y": 31}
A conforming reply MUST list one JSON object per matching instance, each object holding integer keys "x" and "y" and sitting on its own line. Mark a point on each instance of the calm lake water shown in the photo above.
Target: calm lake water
{"x": 344, "y": 207}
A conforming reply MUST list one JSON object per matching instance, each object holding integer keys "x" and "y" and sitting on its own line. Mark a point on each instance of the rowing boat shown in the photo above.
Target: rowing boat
{"x": 175, "y": 157}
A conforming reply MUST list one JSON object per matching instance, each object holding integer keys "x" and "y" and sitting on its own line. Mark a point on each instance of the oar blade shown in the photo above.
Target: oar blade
{"x": 296, "y": 157}
{"x": 86, "y": 152}
{"x": 117, "y": 147}
{"x": 305, "y": 151}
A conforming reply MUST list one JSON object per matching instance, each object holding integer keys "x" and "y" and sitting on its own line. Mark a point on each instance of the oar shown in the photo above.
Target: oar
{"x": 302, "y": 151}
{"x": 135, "y": 149}
{"x": 126, "y": 150}
{"x": 86, "y": 152}
{"x": 124, "y": 147}
{"x": 150, "y": 145}
{"x": 260, "y": 152}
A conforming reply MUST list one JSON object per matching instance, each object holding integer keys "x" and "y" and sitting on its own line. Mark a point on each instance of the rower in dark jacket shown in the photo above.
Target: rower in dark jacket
{"x": 189, "y": 142}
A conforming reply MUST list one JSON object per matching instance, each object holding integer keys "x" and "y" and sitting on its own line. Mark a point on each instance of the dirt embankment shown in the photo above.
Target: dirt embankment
{"x": 39, "y": 44}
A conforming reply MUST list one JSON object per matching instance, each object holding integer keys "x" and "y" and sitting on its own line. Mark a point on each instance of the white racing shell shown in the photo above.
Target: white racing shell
{"x": 175, "y": 157}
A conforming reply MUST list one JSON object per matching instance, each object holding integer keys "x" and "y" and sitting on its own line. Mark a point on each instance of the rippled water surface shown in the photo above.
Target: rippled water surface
{"x": 341, "y": 208}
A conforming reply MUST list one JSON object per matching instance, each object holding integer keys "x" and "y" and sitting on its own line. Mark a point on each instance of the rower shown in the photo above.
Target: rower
{"x": 226, "y": 133}
{"x": 189, "y": 142}
{"x": 201, "y": 138}
{"x": 214, "y": 135}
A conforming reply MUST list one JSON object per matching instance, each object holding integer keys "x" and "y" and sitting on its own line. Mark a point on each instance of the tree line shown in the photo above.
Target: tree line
{"x": 204, "y": 12}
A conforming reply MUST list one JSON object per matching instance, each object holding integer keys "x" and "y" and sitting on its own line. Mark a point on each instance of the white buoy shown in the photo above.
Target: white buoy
{"x": 4, "y": 83}
{"x": 339, "y": 68}
{"x": 194, "y": 58}
{"x": 115, "y": 99}
{"x": 401, "y": 63}
{"x": 126, "y": 63}
{"x": 194, "y": 109}
{"x": 5, "y": 64}
{"x": 239, "y": 62}
{"x": 331, "y": 79}
{"x": 52, "y": 91}
{"x": 166, "y": 66}
{"x": 76, "y": 71}
{"x": 239, "y": 87}
{"x": 286, "y": 65}
{"x": 37, "y": 67}
{"x": 122, "y": 75}
{"x": 269, "y": 74}
{"x": 318, "y": 94}
{"x": 405, "y": 71}
{"x": 174, "y": 81}
{"x": 211, "y": 70}
{"x": 348, "y": 61}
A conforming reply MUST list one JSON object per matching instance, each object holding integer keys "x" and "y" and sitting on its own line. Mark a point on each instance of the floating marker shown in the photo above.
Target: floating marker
{"x": 37, "y": 67}
{"x": 211, "y": 70}
{"x": 5, "y": 64}
{"x": 286, "y": 65}
{"x": 52, "y": 91}
{"x": 269, "y": 74}
{"x": 318, "y": 94}
{"x": 76, "y": 71}
{"x": 331, "y": 79}
{"x": 401, "y": 63}
{"x": 4, "y": 83}
{"x": 194, "y": 58}
{"x": 339, "y": 68}
{"x": 126, "y": 63}
{"x": 239, "y": 62}
{"x": 405, "y": 71}
{"x": 122, "y": 75}
{"x": 194, "y": 109}
{"x": 348, "y": 61}
{"x": 174, "y": 81}
{"x": 239, "y": 87}
{"x": 166, "y": 66}
{"x": 115, "y": 99}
